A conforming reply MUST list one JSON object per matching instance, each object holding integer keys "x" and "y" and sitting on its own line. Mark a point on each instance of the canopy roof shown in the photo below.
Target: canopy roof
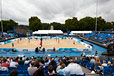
{"x": 80, "y": 32}
{"x": 48, "y": 32}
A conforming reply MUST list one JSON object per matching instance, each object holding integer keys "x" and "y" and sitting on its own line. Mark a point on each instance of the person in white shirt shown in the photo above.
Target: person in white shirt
{"x": 75, "y": 68}
{"x": 27, "y": 61}
{"x": 104, "y": 63}
{"x": 31, "y": 69}
{"x": 63, "y": 70}
{"x": 92, "y": 60}
{"x": 13, "y": 64}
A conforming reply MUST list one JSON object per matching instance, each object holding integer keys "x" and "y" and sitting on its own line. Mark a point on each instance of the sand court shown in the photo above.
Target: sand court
{"x": 47, "y": 43}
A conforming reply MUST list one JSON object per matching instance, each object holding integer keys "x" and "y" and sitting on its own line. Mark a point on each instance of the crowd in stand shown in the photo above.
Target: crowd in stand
{"x": 39, "y": 66}
{"x": 100, "y": 37}
{"x": 103, "y": 67}
{"x": 5, "y": 37}
{"x": 56, "y": 66}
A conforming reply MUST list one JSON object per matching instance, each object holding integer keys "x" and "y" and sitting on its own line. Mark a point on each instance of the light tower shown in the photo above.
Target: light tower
{"x": 96, "y": 14}
{"x": 1, "y": 17}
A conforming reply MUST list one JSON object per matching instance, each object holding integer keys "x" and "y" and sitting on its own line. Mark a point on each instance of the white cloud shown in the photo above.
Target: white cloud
{"x": 55, "y": 10}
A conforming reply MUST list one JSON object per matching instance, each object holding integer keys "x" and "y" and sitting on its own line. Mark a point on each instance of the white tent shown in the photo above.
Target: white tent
{"x": 48, "y": 32}
{"x": 55, "y": 32}
{"x": 80, "y": 32}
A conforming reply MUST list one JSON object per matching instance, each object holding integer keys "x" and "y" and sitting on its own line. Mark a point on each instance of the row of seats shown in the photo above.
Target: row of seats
{"x": 107, "y": 70}
{"x": 100, "y": 36}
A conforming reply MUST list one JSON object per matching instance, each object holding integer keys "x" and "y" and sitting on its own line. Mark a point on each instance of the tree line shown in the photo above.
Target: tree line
{"x": 73, "y": 24}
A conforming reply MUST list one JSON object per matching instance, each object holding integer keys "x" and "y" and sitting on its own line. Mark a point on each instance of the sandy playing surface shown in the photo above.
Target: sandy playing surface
{"x": 47, "y": 43}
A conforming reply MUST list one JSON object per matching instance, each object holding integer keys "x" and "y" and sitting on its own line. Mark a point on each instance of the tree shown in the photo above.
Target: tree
{"x": 101, "y": 24}
{"x": 8, "y": 25}
{"x": 87, "y": 23}
{"x": 71, "y": 24}
{"x": 45, "y": 26}
{"x": 35, "y": 24}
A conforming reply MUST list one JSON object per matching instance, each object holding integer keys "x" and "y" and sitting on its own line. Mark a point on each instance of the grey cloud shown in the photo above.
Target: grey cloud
{"x": 56, "y": 10}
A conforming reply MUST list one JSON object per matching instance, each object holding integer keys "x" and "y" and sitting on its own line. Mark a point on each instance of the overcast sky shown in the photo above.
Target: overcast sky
{"x": 56, "y": 10}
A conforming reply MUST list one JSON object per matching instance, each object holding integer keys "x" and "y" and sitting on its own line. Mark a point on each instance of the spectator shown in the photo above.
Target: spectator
{"x": 47, "y": 63}
{"x": 14, "y": 73}
{"x": 104, "y": 63}
{"x": 27, "y": 61}
{"x": 21, "y": 62}
{"x": 38, "y": 58}
{"x": 96, "y": 53}
{"x": 97, "y": 63}
{"x": 65, "y": 61}
{"x": 5, "y": 64}
{"x": 59, "y": 66}
{"x": 13, "y": 64}
{"x": 56, "y": 58}
{"x": 16, "y": 59}
{"x": 36, "y": 64}
{"x": 75, "y": 68}
{"x": 112, "y": 61}
{"x": 64, "y": 70}
{"x": 42, "y": 60}
{"x": 53, "y": 63}
{"x": 31, "y": 69}
{"x": 50, "y": 69}
{"x": 109, "y": 63}
{"x": 39, "y": 72}
{"x": 92, "y": 60}
{"x": 23, "y": 58}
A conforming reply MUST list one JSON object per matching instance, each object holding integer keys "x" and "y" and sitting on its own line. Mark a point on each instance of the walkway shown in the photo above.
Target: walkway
{"x": 87, "y": 72}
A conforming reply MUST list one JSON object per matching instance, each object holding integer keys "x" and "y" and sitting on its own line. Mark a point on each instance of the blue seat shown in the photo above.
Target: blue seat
{"x": 111, "y": 70}
{"x": 106, "y": 71}
{"x": 92, "y": 66}
{"x": 26, "y": 72}
{"x": 19, "y": 68}
{"x": 4, "y": 74}
{"x": 11, "y": 68}
{"x": 24, "y": 68}
{"x": 97, "y": 68}
{"x": 21, "y": 74}
{"x": 88, "y": 66}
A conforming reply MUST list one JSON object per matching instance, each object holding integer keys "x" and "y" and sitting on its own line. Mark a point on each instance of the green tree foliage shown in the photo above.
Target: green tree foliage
{"x": 35, "y": 24}
{"x": 8, "y": 25}
{"x": 45, "y": 26}
{"x": 87, "y": 23}
{"x": 72, "y": 24}
{"x": 101, "y": 24}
